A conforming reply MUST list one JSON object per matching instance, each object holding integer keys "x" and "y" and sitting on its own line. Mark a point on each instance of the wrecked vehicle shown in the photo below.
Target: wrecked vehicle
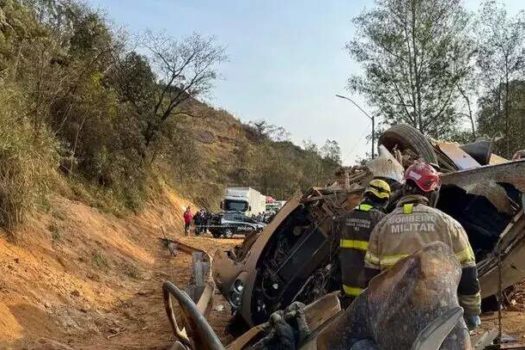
{"x": 424, "y": 297}
{"x": 294, "y": 257}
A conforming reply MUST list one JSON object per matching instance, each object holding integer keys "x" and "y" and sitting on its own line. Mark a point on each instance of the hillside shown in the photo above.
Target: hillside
{"x": 90, "y": 280}
{"x": 227, "y": 152}
{"x": 86, "y": 107}
{"x": 99, "y": 142}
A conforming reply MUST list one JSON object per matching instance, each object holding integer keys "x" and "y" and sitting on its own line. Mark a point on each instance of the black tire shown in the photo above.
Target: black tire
{"x": 216, "y": 233}
{"x": 408, "y": 137}
{"x": 228, "y": 233}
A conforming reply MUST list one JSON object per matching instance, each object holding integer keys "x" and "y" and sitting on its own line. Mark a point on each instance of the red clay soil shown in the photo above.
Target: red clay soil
{"x": 79, "y": 278}
{"x": 513, "y": 316}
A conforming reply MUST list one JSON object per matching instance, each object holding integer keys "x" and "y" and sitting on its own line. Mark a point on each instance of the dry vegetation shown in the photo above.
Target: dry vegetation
{"x": 84, "y": 115}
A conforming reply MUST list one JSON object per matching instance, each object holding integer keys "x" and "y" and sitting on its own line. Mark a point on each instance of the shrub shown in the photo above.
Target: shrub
{"x": 28, "y": 157}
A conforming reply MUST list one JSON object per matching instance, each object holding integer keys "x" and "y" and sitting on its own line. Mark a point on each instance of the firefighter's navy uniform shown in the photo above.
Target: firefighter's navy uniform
{"x": 354, "y": 229}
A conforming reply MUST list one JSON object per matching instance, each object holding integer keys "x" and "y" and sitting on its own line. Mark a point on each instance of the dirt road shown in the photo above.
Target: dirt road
{"x": 139, "y": 322}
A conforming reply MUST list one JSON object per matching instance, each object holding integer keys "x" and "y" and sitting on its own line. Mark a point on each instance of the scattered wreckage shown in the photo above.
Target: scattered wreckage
{"x": 294, "y": 258}
{"x": 421, "y": 290}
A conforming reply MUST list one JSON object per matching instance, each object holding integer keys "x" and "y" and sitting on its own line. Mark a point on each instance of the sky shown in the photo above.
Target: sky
{"x": 286, "y": 59}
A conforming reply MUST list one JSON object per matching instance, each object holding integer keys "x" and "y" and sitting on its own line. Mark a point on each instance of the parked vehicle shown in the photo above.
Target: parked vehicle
{"x": 274, "y": 205}
{"x": 294, "y": 258}
{"x": 244, "y": 199}
{"x": 226, "y": 224}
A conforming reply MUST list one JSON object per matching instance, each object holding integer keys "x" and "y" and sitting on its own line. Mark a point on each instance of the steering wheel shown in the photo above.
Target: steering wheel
{"x": 195, "y": 333}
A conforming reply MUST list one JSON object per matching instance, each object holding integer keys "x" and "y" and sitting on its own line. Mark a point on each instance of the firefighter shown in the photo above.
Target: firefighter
{"x": 413, "y": 224}
{"x": 354, "y": 230}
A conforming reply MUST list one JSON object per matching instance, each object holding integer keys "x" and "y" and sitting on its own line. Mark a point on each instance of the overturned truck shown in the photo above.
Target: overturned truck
{"x": 294, "y": 258}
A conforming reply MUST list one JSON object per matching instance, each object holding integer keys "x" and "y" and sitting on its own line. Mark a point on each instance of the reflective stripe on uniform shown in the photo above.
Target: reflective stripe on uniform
{"x": 353, "y": 244}
{"x": 352, "y": 291}
{"x": 471, "y": 303}
{"x": 391, "y": 260}
{"x": 364, "y": 207}
{"x": 408, "y": 208}
{"x": 466, "y": 255}
{"x": 372, "y": 259}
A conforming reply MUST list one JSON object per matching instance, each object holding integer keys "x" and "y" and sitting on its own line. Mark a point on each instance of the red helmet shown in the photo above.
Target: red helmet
{"x": 424, "y": 176}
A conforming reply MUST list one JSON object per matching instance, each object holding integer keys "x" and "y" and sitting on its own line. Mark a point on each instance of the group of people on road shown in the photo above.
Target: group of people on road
{"x": 200, "y": 220}
{"x": 372, "y": 241}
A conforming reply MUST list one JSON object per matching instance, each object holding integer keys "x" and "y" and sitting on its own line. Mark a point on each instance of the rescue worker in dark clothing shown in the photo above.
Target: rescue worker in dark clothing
{"x": 354, "y": 230}
{"x": 197, "y": 220}
{"x": 414, "y": 224}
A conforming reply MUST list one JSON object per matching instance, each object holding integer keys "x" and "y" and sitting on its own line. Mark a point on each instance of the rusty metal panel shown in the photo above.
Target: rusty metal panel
{"x": 495, "y": 159}
{"x": 496, "y": 195}
{"x": 512, "y": 246}
{"x": 460, "y": 158}
{"x": 512, "y": 173}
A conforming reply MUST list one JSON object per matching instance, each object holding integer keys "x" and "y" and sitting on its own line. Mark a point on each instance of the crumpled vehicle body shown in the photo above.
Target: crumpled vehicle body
{"x": 294, "y": 257}
{"x": 420, "y": 290}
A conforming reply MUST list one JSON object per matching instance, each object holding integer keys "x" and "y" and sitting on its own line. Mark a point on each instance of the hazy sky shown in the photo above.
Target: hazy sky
{"x": 286, "y": 59}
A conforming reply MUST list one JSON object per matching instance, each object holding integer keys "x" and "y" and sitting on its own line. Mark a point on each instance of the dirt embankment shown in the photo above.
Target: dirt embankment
{"x": 89, "y": 280}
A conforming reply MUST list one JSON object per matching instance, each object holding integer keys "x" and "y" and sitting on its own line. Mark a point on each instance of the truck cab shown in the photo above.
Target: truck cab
{"x": 246, "y": 200}
{"x": 236, "y": 204}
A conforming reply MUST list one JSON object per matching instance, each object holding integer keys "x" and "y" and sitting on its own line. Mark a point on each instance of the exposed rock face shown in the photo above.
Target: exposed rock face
{"x": 400, "y": 303}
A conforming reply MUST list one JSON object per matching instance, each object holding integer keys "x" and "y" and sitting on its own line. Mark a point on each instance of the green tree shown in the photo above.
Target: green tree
{"x": 414, "y": 54}
{"x": 500, "y": 60}
{"x": 493, "y": 125}
{"x": 186, "y": 69}
{"x": 331, "y": 152}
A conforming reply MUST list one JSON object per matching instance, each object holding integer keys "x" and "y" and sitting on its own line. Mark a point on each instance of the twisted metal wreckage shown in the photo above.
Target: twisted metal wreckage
{"x": 292, "y": 262}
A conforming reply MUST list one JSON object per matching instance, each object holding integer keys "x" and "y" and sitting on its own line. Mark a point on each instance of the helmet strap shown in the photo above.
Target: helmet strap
{"x": 433, "y": 198}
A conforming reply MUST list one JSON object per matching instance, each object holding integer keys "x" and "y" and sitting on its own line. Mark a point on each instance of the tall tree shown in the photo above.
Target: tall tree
{"x": 186, "y": 69}
{"x": 500, "y": 58}
{"x": 491, "y": 122}
{"x": 331, "y": 151}
{"x": 414, "y": 54}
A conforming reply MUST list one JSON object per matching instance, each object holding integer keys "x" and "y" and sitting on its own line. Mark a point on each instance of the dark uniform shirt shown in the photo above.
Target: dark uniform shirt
{"x": 354, "y": 229}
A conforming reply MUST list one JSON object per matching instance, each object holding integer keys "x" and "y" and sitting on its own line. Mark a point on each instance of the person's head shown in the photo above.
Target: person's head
{"x": 188, "y": 208}
{"x": 422, "y": 179}
{"x": 377, "y": 192}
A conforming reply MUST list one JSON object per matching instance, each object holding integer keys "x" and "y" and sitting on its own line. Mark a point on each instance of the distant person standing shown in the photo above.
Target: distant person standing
{"x": 199, "y": 219}
{"x": 188, "y": 216}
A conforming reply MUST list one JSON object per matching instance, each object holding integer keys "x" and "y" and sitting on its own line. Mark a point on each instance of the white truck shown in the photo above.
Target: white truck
{"x": 244, "y": 199}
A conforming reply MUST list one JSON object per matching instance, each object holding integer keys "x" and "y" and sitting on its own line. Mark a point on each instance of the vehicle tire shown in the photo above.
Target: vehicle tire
{"x": 216, "y": 233}
{"x": 228, "y": 233}
{"x": 408, "y": 137}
